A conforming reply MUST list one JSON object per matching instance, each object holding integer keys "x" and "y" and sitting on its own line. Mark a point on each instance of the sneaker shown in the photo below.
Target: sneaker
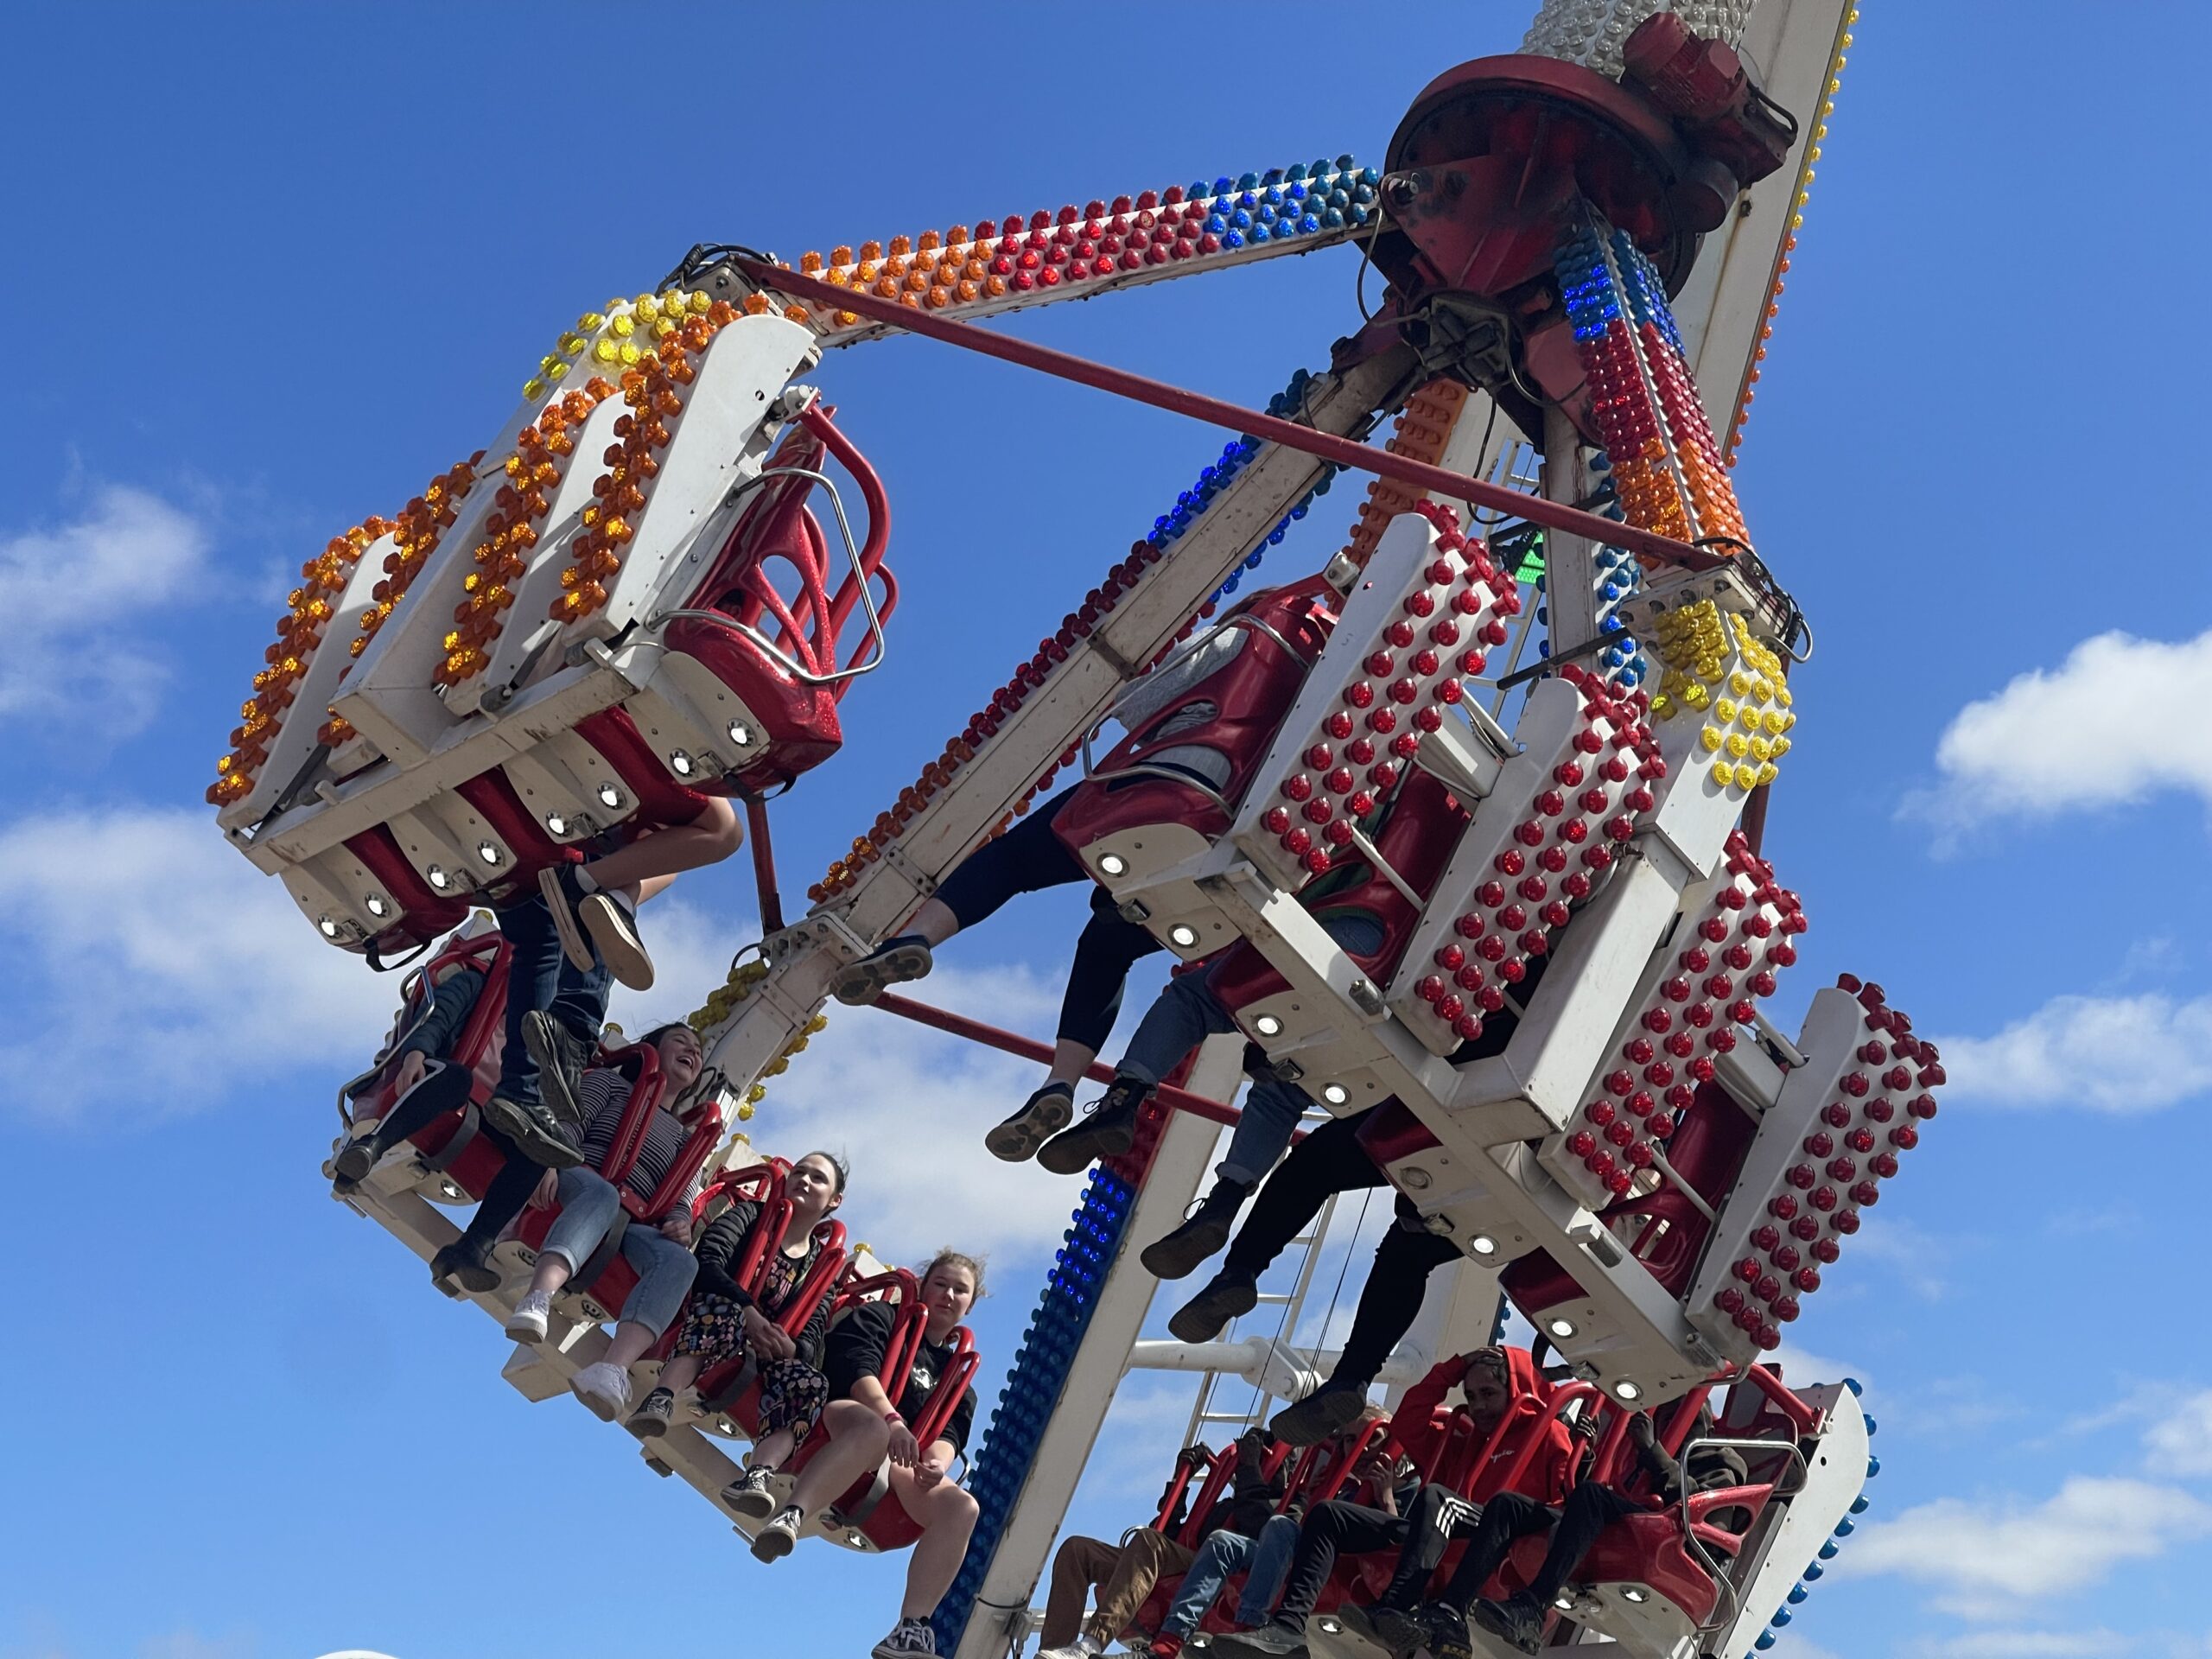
{"x": 613, "y": 928}
{"x": 563, "y": 894}
{"x": 1082, "y": 1647}
{"x": 462, "y": 1265}
{"x": 1227, "y": 1294}
{"x": 650, "y": 1420}
{"x": 1042, "y": 1115}
{"x": 1110, "y": 1131}
{"x": 1444, "y": 1631}
{"x": 892, "y": 962}
{"x": 774, "y": 1540}
{"x": 604, "y": 1387}
{"x": 1395, "y": 1632}
{"x": 1178, "y": 1254}
{"x": 750, "y": 1494}
{"x": 537, "y": 1134}
{"x": 1519, "y": 1618}
{"x": 562, "y": 1056}
{"x": 351, "y": 1166}
{"x": 1164, "y": 1646}
{"x": 1330, "y": 1407}
{"x": 1272, "y": 1640}
{"x": 908, "y": 1636}
{"x": 527, "y": 1322}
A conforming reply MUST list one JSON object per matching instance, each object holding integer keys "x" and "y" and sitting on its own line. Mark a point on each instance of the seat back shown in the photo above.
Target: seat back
{"x": 471, "y": 1162}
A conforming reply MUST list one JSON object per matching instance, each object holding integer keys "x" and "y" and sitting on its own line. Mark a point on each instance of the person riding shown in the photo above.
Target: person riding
{"x": 595, "y": 903}
{"x": 1575, "y": 1524}
{"x": 1123, "y": 1574}
{"x": 1490, "y": 1380}
{"x": 725, "y": 1320}
{"x": 866, "y": 1427}
{"x": 657, "y": 1246}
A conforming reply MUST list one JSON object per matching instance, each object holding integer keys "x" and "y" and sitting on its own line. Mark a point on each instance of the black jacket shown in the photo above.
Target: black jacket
{"x": 855, "y": 1349}
{"x": 451, "y": 1002}
{"x": 1253, "y": 1495}
{"x": 723, "y": 1242}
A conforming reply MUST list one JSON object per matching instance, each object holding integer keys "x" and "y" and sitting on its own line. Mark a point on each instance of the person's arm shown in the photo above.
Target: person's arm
{"x": 718, "y": 1247}
{"x": 853, "y": 1359}
{"x": 1661, "y": 1468}
{"x": 1414, "y": 1420}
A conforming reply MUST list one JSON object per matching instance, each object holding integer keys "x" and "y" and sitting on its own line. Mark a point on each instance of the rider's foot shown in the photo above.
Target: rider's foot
{"x": 604, "y": 1388}
{"x": 1178, "y": 1254}
{"x": 892, "y": 962}
{"x": 1042, "y": 1115}
{"x": 613, "y": 925}
{"x": 1108, "y": 1132}
{"x": 351, "y": 1166}
{"x": 1334, "y": 1406}
{"x": 527, "y": 1323}
{"x": 749, "y": 1494}
{"x": 465, "y": 1264}
{"x": 650, "y": 1420}
{"x": 774, "y": 1540}
{"x": 563, "y": 891}
{"x": 1228, "y": 1293}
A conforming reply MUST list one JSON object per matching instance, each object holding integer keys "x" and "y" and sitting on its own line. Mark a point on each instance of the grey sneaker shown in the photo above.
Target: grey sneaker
{"x": 613, "y": 928}
{"x": 750, "y": 1494}
{"x": 537, "y": 1133}
{"x": 1042, "y": 1115}
{"x": 605, "y": 1389}
{"x": 562, "y": 1056}
{"x": 563, "y": 894}
{"x": 892, "y": 962}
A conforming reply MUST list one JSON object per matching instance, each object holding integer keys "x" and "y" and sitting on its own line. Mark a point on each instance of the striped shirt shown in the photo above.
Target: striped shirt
{"x": 603, "y": 1092}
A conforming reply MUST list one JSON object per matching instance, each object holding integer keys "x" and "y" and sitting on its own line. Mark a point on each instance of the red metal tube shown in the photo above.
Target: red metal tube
{"x": 1029, "y": 1049}
{"x": 764, "y": 865}
{"x": 1437, "y": 480}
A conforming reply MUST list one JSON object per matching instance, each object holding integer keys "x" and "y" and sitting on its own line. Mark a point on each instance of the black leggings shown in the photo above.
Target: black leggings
{"x": 445, "y": 1091}
{"x": 1030, "y": 858}
{"x": 1434, "y": 1519}
{"x": 1330, "y": 1529}
{"x": 1589, "y": 1510}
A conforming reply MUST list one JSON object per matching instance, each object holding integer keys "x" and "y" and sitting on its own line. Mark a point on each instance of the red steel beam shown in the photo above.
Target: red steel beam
{"x": 1030, "y": 1049}
{"x": 1436, "y": 481}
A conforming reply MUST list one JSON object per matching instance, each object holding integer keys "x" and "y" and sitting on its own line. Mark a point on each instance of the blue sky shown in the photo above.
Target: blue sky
{"x": 271, "y": 271}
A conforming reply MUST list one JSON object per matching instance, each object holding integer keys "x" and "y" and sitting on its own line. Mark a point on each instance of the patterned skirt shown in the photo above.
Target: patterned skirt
{"x": 792, "y": 1392}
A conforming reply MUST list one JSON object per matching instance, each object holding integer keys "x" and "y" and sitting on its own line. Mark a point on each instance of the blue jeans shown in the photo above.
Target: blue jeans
{"x": 1264, "y": 1561}
{"x": 539, "y": 976}
{"x": 590, "y": 1204}
{"x": 1187, "y": 1013}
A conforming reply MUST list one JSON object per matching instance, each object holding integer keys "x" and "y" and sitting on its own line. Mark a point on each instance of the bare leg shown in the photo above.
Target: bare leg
{"x": 858, "y": 1439}
{"x": 650, "y": 888}
{"x": 708, "y": 839}
{"x": 680, "y": 1373}
{"x": 553, "y": 1272}
{"x": 630, "y": 1342}
{"x": 1070, "y": 1061}
{"x": 770, "y": 1453}
{"x": 947, "y": 1516}
{"x": 934, "y": 921}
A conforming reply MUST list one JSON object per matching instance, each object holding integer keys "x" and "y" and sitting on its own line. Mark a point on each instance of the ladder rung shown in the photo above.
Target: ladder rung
{"x": 1271, "y": 1300}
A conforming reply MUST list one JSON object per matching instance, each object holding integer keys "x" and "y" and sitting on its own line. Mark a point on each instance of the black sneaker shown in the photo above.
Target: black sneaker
{"x": 1228, "y": 1293}
{"x": 1272, "y": 1640}
{"x": 911, "y": 1638}
{"x": 351, "y": 1166}
{"x": 1332, "y": 1407}
{"x": 1394, "y": 1631}
{"x": 1445, "y": 1630}
{"x": 562, "y": 1056}
{"x": 1108, "y": 1132}
{"x": 612, "y": 925}
{"x": 563, "y": 894}
{"x": 650, "y": 1420}
{"x": 463, "y": 1265}
{"x": 750, "y": 1494}
{"x": 1042, "y": 1115}
{"x": 892, "y": 962}
{"x": 1519, "y": 1618}
{"x": 1178, "y": 1254}
{"x": 774, "y": 1541}
{"x": 540, "y": 1136}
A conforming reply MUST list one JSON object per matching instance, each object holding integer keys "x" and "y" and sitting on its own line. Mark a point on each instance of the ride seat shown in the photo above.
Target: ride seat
{"x": 451, "y": 1148}
{"x": 1148, "y": 816}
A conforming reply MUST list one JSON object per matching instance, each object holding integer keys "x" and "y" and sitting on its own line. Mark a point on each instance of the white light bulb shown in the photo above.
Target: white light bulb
{"x": 1334, "y": 1093}
{"x": 739, "y": 733}
{"x": 1561, "y": 1328}
{"x": 557, "y": 824}
{"x": 439, "y": 878}
{"x": 1268, "y": 1025}
{"x": 376, "y": 906}
{"x": 1182, "y": 936}
{"x": 609, "y": 795}
{"x": 487, "y": 852}
{"x": 679, "y": 763}
{"x": 1112, "y": 864}
{"x": 1483, "y": 1244}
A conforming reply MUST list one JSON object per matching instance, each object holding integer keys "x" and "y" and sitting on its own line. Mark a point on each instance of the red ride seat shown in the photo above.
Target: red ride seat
{"x": 1663, "y": 1229}
{"x": 607, "y": 1276}
{"x": 450, "y": 1146}
{"x": 1285, "y": 630}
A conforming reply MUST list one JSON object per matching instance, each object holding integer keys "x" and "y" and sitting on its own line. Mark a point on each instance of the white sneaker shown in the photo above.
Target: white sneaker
{"x": 613, "y": 928}
{"x": 774, "y": 1540}
{"x": 1082, "y": 1647}
{"x": 604, "y": 1387}
{"x": 527, "y": 1322}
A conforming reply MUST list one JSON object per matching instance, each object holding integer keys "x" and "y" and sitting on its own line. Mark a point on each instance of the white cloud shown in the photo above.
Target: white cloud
{"x": 2102, "y": 729}
{"x": 2179, "y": 1442}
{"x": 1986, "y": 1559}
{"x": 77, "y": 597}
{"x": 163, "y": 969}
{"x": 2118, "y": 1054}
{"x": 2030, "y": 1644}
{"x": 1800, "y": 1366}
{"x": 1792, "y": 1647}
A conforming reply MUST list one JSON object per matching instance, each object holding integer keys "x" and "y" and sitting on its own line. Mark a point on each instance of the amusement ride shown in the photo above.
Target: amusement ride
{"x": 1522, "y": 724}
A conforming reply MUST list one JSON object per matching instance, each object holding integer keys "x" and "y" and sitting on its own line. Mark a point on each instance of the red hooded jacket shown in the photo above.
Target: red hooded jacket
{"x": 1423, "y": 1428}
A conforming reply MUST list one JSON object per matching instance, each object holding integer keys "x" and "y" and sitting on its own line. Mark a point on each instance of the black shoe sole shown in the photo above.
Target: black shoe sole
{"x": 1016, "y": 1139}
{"x": 542, "y": 1035}
{"x": 469, "y": 1274}
{"x": 645, "y": 1426}
{"x": 535, "y": 1141}
{"x": 864, "y": 980}
{"x": 1179, "y": 1254}
{"x": 573, "y": 944}
{"x": 1318, "y": 1415}
{"x": 1072, "y": 1151}
{"x": 1208, "y": 1313}
{"x": 757, "y": 1506}
{"x": 352, "y": 1165}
